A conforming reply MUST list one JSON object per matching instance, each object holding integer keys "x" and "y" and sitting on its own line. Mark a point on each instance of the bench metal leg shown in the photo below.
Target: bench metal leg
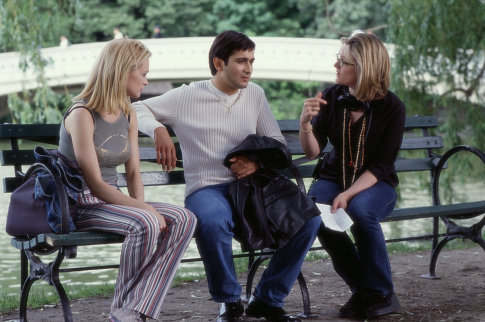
{"x": 24, "y": 296}
{"x": 50, "y": 273}
{"x": 305, "y": 295}
{"x": 24, "y": 268}
{"x": 252, "y": 272}
{"x": 434, "y": 258}
{"x": 454, "y": 231}
{"x": 306, "y": 314}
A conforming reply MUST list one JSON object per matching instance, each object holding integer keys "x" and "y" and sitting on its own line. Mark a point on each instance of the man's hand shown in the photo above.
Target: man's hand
{"x": 242, "y": 166}
{"x": 166, "y": 154}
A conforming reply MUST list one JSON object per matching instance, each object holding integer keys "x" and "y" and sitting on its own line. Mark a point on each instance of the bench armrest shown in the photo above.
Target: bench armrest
{"x": 442, "y": 165}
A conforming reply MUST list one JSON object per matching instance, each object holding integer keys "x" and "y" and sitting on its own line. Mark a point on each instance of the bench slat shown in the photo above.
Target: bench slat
{"x": 35, "y": 132}
{"x": 11, "y": 183}
{"x": 402, "y": 165}
{"x": 472, "y": 208}
{"x": 148, "y": 154}
{"x": 38, "y": 132}
{"x": 412, "y": 122}
{"x": 149, "y": 178}
{"x": 426, "y": 142}
{"x": 415, "y": 122}
{"x": 289, "y": 125}
{"x": 71, "y": 239}
{"x": 11, "y": 157}
{"x": 405, "y": 165}
{"x": 153, "y": 178}
{"x": 410, "y": 143}
{"x": 156, "y": 178}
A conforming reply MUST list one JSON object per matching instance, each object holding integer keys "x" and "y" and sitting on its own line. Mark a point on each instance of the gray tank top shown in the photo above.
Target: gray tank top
{"x": 110, "y": 141}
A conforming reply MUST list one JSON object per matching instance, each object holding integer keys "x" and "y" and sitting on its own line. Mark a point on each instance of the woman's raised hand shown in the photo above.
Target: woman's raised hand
{"x": 311, "y": 107}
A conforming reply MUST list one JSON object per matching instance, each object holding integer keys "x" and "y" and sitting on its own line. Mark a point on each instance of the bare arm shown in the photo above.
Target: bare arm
{"x": 132, "y": 170}
{"x": 151, "y": 113}
{"x": 166, "y": 154}
{"x": 132, "y": 166}
{"x": 309, "y": 143}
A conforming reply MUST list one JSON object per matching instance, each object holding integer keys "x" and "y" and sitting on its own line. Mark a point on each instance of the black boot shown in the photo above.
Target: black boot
{"x": 354, "y": 308}
{"x": 381, "y": 305}
{"x": 258, "y": 309}
{"x": 230, "y": 312}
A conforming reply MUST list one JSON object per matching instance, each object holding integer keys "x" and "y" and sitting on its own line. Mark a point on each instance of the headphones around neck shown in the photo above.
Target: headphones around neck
{"x": 349, "y": 101}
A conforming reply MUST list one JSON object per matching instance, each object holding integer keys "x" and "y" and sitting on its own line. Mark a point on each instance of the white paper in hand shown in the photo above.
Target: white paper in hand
{"x": 338, "y": 221}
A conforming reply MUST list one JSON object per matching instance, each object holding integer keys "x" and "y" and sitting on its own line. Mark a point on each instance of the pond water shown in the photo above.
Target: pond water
{"x": 412, "y": 191}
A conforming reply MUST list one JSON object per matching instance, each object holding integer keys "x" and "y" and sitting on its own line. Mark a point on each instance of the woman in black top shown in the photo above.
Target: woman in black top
{"x": 364, "y": 122}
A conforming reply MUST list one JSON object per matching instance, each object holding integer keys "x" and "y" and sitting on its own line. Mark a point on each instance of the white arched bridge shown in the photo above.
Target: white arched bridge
{"x": 180, "y": 59}
{"x": 186, "y": 59}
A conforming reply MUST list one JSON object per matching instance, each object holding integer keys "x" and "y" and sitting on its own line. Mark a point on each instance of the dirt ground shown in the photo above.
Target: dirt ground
{"x": 458, "y": 296}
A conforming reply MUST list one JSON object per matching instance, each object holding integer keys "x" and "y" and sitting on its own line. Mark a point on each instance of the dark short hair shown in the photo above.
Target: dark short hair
{"x": 225, "y": 44}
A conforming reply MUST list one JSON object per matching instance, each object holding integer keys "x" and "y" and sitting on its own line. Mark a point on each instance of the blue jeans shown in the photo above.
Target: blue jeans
{"x": 364, "y": 266}
{"x": 214, "y": 233}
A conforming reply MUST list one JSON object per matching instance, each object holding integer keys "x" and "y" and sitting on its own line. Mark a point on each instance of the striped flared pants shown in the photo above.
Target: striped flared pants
{"x": 149, "y": 258}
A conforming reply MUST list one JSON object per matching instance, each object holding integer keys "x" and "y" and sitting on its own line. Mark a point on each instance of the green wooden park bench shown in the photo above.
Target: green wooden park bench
{"x": 23, "y": 138}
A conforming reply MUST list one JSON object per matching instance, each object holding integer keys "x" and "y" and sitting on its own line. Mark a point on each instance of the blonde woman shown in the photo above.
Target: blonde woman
{"x": 364, "y": 122}
{"x": 100, "y": 132}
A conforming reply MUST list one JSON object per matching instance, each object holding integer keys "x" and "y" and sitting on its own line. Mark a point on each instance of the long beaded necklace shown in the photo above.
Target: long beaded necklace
{"x": 359, "y": 154}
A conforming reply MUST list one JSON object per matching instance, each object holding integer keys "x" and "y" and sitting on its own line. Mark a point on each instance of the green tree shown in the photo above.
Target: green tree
{"x": 95, "y": 20}
{"x": 339, "y": 18}
{"x": 40, "y": 23}
{"x": 180, "y": 18}
{"x": 439, "y": 63}
{"x": 286, "y": 97}
{"x": 26, "y": 26}
{"x": 260, "y": 18}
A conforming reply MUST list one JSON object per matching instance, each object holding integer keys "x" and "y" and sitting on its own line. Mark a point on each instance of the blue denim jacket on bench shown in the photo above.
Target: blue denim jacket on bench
{"x": 45, "y": 186}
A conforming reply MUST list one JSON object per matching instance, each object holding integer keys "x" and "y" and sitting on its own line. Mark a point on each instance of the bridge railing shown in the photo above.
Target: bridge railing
{"x": 179, "y": 59}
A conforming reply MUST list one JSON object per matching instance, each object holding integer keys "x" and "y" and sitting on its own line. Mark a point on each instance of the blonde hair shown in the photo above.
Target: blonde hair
{"x": 372, "y": 65}
{"x": 105, "y": 89}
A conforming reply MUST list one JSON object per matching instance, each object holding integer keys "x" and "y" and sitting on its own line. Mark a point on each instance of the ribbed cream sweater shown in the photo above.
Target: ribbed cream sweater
{"x": 206, "y": 128}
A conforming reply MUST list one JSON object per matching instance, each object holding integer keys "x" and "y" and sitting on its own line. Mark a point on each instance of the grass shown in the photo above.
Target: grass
{"x": 42, "y": 294}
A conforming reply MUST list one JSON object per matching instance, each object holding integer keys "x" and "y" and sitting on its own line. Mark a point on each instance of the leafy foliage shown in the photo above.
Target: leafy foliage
{"x": 259, "y": 18}
{"x": 286, "y": 98}
{"x": 440, "y": 56}
{"x": 433, "y": 45}
{"x": 339, "y": 18}
{"x": 25, "y": 26}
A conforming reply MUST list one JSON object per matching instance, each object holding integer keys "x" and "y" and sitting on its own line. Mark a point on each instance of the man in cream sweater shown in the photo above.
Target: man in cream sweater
{"x": 210, "y": 118}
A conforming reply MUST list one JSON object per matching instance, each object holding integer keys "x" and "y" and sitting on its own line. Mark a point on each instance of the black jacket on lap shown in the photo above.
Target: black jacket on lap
{"x": 269, "y": 208}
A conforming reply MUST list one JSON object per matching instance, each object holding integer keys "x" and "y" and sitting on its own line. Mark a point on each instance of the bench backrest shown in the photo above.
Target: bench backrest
{"x": 23, "y": 138}
{"x": 417, "y": 137}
